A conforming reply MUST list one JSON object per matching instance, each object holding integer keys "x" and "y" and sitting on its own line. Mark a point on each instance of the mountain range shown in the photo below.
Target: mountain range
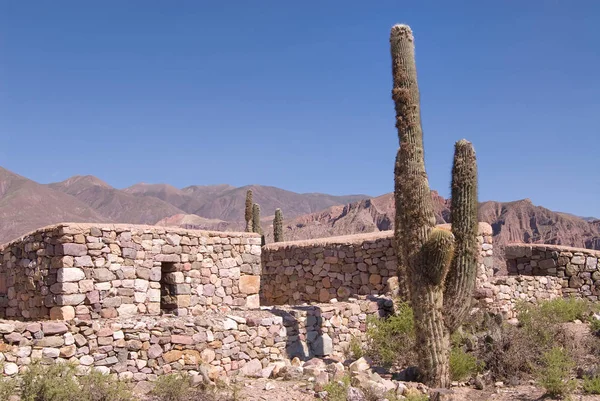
{"x": 26, "y": 205}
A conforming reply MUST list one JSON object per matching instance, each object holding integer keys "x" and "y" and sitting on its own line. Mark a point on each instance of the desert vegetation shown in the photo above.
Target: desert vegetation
{"x": 555, "y": 345}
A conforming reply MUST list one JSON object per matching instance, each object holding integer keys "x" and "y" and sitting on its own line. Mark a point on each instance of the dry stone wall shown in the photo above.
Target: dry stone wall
{"x": 501, "y": 294}
{"x": 340, "y": 267}
{"x": 138, "y": 349}
{"x": 92, "y": 271}
{"x": 577, "y": 270}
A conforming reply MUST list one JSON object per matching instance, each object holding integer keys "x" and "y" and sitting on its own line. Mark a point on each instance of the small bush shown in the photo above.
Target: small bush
{"x": 173, "y": 387}
{"x": 56, "y": 382}
{"x": 8, "y": 387}
{"x": 355, "y": 349}
{"x": 595, "y": 326}
{"x": 392, "y": 340}
{"x": 558, "y": 310}
{"x": 591, "y": 385}
{"x": 554, "y": 374}
{"x": 96, "y": 386}
{"x": 337, "y": 390}
{"x": 462, "y": 364}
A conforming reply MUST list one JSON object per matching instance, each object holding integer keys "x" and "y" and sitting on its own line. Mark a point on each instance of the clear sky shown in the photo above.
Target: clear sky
{"x": 296, "y": 94}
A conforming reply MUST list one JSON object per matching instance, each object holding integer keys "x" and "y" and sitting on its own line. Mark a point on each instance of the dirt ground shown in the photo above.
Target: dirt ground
{"x": 278, "y": 390}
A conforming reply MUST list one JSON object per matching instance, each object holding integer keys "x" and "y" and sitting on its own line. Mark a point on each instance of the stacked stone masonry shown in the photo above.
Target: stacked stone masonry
{"x": 341, "y": 267}
{"x": 577, "y": 270}
{"x": 91, "y": 271}
{"x": 138, "y": 349}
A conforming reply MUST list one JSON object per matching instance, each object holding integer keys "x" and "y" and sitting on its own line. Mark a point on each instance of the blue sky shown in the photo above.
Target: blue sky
{"x": 297, "y": 94}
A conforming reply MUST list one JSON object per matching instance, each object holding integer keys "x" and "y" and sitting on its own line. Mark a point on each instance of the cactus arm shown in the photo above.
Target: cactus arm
{"x": 463, "y": 270}
{"x": 248, "y": 211}
{"x": 437, "y": 254}
{"x": 278, "y": 226}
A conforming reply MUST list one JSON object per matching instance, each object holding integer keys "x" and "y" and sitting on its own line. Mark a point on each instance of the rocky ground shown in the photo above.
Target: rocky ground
{"x": 316, "y": 379}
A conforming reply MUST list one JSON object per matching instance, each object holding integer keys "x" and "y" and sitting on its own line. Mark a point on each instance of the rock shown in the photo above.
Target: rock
{"x": 360, "y": 365}
{"x": 69, "y": 274}
{"x": 355, "y": 394}
{"x": 62, "y": 313}
{"x": 6, "y": 328}
{"x": 71, "y": 249}
{"x": 249, "y": 284}
{"x": 127, "y": 310}
{"x": 143, "y": 387}
{"x": 315, "y": 362}
{"x": 52, "y": 328}
{"x": 267, "y": 372}
{"x": 103, "y": 275}
{"x": 479, "y": 382}
{"x": 11, "y": 369}
{"x": 336, "y": 370}
{"x": 442, "y": 394}
{"x": 269, "y": 386}
{"x": 321, "y": 380}
{"x": 252, "y": 368}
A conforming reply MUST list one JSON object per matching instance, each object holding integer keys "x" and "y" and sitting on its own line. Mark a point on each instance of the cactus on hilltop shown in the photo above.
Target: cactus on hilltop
{"x": 437, "y": 266}
{"x": 278, "y": 226}
{"x": 248, "y": 211}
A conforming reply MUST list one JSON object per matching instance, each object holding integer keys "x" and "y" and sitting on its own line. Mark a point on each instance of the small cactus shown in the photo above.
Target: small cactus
{"x": 256, "y": 219}
{"x": 248, "y": 211}
{"x": 278, "y": 226}
{"x": 436, "y": 267}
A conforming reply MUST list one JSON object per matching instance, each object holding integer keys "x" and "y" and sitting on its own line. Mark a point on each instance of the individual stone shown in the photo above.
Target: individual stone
{"x": 6, "y": 328}
{"x": 103, "y": 275}
{"x": 69, "y": 274}
{"x": 11, "y": 369}
{"x": 252, "y": 368}
{"x": 62, "y": 313}
{"x": 53, "y": 328}
{"x": 249, "y": 284}
{"x": 74, "y": 249}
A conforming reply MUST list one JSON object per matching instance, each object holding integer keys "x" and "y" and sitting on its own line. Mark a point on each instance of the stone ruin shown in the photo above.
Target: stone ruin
{"x": 141, "y": 301}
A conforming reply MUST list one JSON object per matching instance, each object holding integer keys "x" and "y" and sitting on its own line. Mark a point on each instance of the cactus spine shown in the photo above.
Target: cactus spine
{"x": 438, "y": 266}
{"x": 248, "y": 211}
{"x": 278, "y": 226}
{"x": 256, "y": 219}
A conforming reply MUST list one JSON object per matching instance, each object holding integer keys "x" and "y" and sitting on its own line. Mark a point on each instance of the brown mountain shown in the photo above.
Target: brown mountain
{"x": 26, "y": 205}
{"x": 227, "y": 203}
{"x": 114, "y": 204}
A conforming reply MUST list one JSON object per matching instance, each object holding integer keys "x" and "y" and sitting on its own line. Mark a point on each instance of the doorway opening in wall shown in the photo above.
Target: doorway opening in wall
{"x": 168, "y": 295}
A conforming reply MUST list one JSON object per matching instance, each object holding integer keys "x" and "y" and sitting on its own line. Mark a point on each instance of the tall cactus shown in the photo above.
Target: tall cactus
{"x": 278, "y": 226}
{"x": 248, "y": 211}
{"x": 439, "y": 266}
{"x": 256, "y": 219}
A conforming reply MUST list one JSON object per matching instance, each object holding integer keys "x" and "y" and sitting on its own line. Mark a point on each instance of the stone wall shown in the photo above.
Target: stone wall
{"x": 501, "y": 294}
{"x": 138, "y": 349}
{"x": 340, "y": 267}
{"x": 91, "y": 271}
{"x": 577, "y": 270}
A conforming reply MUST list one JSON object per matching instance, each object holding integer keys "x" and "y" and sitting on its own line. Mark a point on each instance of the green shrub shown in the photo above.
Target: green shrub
{"x": 554, "y": 373}
{"x": 337, "y": 390}
{"x": 355, "y": 349}
{"x": 8, "y": 387}
{"x": 558, "y": 310}
{"x": 392, "y": 340}
{"x": 462, "y": 364}
{"x": 595, "y": 325}
{"x": 173, "y": 387}
{"x": 591, "y": 385}
{"x": 56, "y": 382}
{"x": 96, "y": 386}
